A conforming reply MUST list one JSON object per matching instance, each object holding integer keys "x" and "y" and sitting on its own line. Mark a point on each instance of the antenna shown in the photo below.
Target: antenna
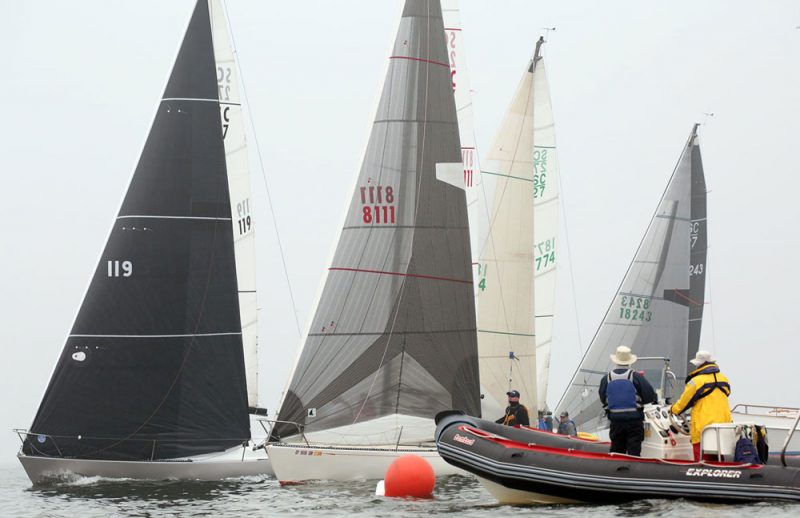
{"x": 548, "y": 29}
{"x": 707, "y": 114}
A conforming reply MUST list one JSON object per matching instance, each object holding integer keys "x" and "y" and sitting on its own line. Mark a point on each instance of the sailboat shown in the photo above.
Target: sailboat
{"x": 393, "y": 340}
{"x": 517, "y": 261}
{"x": 158, "y": 372}
{"x": 658, "y": 308}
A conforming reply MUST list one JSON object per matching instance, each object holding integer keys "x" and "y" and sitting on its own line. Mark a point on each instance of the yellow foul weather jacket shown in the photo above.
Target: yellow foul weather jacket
{"x": 706, "y": 391}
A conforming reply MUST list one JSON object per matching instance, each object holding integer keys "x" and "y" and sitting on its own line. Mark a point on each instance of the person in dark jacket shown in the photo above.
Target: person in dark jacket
{"x": 566, "y": 426}
{"x": 516, "y": 414}
{"x": 624, "y": 392}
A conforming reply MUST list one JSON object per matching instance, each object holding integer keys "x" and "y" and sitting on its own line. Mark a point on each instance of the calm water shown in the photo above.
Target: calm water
{"x": 263, "y": 497}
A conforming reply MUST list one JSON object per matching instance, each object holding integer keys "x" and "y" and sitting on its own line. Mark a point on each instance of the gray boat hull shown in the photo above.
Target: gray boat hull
{"x": 40, "y": 470}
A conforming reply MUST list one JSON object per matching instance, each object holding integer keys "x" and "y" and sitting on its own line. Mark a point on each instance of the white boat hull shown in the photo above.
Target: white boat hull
{"x": 509, "y": 496}
{"x": 295, "y": 463}
{"x": 228, "y": 465}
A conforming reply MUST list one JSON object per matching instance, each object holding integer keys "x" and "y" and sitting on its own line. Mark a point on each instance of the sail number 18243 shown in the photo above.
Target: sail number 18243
{"x": 635, "y": 308}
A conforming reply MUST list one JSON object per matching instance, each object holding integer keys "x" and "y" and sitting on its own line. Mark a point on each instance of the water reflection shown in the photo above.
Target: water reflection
{"x": 174, "y": 491}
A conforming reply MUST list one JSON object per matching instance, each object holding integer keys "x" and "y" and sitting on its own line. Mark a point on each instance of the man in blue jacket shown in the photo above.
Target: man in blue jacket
{"x": 624, "y": 392}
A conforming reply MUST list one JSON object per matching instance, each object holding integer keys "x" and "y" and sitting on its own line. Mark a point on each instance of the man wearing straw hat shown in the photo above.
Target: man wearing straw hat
{"x": 624, "y": 392}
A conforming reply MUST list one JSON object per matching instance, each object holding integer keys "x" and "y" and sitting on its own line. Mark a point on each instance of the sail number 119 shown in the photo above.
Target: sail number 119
{"x": 120, "y": 268}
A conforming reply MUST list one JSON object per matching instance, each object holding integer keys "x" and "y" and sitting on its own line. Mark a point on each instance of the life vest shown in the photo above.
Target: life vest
{"x": 621, "y": 395}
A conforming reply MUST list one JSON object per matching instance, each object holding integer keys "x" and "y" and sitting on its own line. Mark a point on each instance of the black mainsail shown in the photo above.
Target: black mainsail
{"x": 153, "y": 367}
{"x": 394, "y": 335}
{"x": 658, "y": 308}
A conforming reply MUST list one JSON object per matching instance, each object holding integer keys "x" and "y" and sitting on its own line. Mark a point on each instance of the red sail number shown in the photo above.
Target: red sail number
{"x": 378, "y": 204}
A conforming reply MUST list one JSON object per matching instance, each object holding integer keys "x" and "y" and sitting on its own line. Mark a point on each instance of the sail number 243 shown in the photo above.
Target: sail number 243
{"x": 378, "y": 205}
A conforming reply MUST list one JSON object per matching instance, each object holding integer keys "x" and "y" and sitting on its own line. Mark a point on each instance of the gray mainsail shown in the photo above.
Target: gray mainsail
{"x": 650, "y": 312}
{"x": 394, "y": 329}
{"x": 699, "y": 246}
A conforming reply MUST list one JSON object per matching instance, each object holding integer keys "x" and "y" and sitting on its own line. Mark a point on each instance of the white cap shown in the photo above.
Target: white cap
{"x": 701, "y": 357}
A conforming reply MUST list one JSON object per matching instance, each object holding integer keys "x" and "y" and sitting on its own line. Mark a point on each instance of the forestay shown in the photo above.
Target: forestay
{"x": 650, "y": 312}
{"x": 393, "y": 339}
{"x": 153, "y": 367}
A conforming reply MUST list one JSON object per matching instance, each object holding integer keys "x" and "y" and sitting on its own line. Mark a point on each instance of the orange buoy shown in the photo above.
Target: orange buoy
{"x": 409, "y": 475}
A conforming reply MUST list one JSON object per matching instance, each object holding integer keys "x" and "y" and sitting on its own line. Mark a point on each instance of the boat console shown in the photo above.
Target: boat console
{"x": 666, "y": 436}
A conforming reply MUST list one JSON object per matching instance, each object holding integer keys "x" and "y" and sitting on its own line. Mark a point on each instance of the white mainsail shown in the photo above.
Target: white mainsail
{"x": 545, "y": 226}
{"x": 239, "y": 187}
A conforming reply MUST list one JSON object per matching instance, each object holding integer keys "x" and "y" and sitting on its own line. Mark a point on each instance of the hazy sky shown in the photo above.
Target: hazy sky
{"x": 81, "y": 81}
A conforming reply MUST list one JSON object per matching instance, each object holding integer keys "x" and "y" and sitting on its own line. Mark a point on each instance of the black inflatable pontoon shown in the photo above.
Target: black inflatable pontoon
{"x": 520, "y": 466}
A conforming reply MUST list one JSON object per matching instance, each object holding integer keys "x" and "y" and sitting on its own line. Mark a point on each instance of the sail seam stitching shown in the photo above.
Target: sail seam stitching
{"x": 128, "y": 216}
{"x": 400, "y": 274}
{"x": 422, "y": 60}
{"x": 154, "y": 336}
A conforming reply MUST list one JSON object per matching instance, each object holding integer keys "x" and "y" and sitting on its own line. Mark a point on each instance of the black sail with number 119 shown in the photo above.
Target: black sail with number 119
{"x": 153, "y": 367}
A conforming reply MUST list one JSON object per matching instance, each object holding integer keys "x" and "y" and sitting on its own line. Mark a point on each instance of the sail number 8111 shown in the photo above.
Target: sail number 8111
{"x": 377, "y": 204}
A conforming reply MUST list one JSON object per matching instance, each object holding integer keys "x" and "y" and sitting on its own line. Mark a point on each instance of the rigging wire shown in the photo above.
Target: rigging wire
{"x": 570, "y": 263}
{"x": 263, "y": 175}
{"x": 562, "y": 206}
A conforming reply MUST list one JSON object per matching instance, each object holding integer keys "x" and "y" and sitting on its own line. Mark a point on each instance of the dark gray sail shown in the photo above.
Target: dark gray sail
{"x": 699, "y": 250}
{"x": 650, "y": 311}
{"x": 394, "y": 329}
{"x": 153, "y": 367}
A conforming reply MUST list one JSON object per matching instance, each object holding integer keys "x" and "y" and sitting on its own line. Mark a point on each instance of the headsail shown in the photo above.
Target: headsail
{"x": 243, "y": 219}
{"x": 393, "y": 337}
{"x": 506, "y": 264}
{"x": 650, "y": 312}
{"x": 153, "y": 367}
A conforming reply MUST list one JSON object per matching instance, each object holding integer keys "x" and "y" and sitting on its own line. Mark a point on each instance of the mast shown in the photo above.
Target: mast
{"x": 650, "y": 311}
{"x": 153, "y": 367}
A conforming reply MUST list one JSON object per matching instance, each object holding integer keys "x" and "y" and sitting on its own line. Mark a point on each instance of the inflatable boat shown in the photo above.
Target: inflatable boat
{"x": 526, "y": 466}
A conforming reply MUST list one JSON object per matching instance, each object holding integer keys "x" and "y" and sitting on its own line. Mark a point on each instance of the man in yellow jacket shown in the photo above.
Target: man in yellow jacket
{"x": 706, "y": 392}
